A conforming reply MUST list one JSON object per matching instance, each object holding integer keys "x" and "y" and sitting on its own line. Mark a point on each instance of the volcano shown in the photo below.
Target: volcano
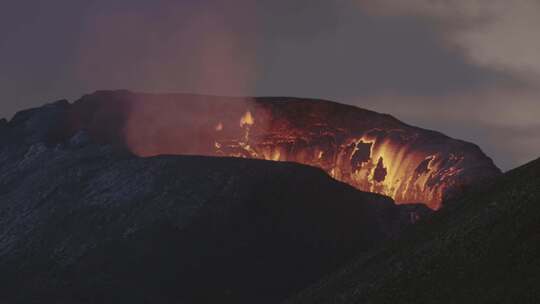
{"x": 372, "y": 152}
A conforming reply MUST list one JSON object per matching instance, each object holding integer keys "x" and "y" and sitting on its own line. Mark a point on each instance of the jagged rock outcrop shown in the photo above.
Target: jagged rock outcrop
{"x": 82, "y": 222}
{"x": 370, "y": 151}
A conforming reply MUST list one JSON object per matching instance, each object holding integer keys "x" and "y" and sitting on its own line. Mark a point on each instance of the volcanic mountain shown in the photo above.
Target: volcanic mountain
{"x": 85, "y": 219}
{"x": 482, "y": 248}
{"x": 82, "y": 222}
{"x": 370, "y": 151}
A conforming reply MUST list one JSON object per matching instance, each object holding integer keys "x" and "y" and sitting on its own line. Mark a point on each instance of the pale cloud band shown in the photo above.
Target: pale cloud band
{"x": 498, "y": 33}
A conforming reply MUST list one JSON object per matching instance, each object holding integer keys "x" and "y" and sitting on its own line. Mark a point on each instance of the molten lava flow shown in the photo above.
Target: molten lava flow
{"x": 377, "y": 161}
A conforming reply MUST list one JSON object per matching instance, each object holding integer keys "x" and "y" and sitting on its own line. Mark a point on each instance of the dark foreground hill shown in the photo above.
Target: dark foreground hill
{"x": 84, "y": 223}
{"x": 484, "y": 248}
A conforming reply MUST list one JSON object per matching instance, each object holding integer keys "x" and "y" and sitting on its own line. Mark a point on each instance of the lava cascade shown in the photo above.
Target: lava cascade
{"x": 376, "y": 160}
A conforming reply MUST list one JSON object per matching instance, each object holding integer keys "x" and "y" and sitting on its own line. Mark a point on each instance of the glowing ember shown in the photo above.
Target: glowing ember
{"x": 247, "y": 120}
{"x": 219, "y": 127}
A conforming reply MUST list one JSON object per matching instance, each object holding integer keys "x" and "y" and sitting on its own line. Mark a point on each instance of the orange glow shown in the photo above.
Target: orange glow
{"x": 247, "y": 120}
{"x": 368, "y": 162}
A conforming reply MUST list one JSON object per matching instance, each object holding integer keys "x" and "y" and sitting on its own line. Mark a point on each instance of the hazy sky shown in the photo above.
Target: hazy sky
{"x": 468, "y": 68}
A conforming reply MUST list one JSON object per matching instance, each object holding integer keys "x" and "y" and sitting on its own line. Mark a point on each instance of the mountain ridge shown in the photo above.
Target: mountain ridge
{"x": 371, "y": 151}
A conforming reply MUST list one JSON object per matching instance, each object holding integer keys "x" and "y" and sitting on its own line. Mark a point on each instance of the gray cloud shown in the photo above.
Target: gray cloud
{"x": 496, "y": 33}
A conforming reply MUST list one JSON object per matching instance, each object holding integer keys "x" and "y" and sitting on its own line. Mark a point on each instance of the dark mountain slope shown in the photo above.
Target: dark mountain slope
{"x": 83, "y": 223}
{"x": 484, "y": 248}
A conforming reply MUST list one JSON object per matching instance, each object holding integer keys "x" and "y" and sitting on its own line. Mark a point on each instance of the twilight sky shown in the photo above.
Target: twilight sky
{"x": 468, "y": 68}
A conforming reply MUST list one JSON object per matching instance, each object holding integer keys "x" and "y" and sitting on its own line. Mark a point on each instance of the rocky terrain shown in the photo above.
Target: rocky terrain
{"x": 482, "y": 248}
{"x": 370, "y": 151}
{"x": 83, "y": 222}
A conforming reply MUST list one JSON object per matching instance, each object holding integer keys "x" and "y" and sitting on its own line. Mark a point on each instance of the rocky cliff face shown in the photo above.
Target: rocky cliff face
{"x": 87, "y": 223}
{"x": 370, "y": 151}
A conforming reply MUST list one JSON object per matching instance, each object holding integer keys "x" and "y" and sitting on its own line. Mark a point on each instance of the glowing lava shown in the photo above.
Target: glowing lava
{"x": 370, "y": 163}
{"x": 247, "y": 120}
{"x": 377, "y": 161}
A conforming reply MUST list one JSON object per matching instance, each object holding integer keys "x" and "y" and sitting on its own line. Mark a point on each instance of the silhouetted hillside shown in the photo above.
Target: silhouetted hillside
{"x": 484, "y": 248}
